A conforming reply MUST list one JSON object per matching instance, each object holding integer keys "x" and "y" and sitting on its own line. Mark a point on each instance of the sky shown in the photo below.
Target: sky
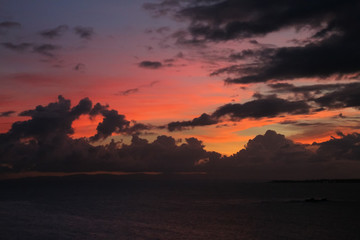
{"x": 252, "y": 88}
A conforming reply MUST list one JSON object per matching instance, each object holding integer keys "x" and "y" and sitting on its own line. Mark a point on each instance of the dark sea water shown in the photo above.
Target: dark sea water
{"x": 118, "y": 207}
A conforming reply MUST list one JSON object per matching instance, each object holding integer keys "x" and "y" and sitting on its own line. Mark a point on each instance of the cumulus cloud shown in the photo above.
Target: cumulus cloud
{"x": 55, "y": 118}
{"x": 113, "y": 122}
{"x": 44, "y": 143}
{"x": 273, "y": 156}
{"x": 272, "y": 147}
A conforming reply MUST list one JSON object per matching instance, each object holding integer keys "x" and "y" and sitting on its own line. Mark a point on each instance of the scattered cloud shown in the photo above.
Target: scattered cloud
{"x": 128, "y": 92}
{"x": 203, "y": 120}
{"x": 7, "y": 113}
{"x": 54, "y": 32}
{"x": 344, "y": 96}
{"x": 84, "y": 32}
{"x": 46, "y": 49}
{"x": 270, "y": 106}
{"x": 9, "y": 25}
{"x": 21, "y": 47}
{"x": 151, "y": 64}
{"x": 332, "y": 48}
{"x": 80, "y": 67}
{"x": 136, "y": 90}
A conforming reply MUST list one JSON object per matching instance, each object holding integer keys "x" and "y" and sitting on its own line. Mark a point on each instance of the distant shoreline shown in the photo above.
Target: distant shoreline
{"x": 318, "y": 181}
{"x": 35, "y": 176}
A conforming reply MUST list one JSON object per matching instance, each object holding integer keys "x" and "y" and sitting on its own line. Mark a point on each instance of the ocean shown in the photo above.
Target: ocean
{"x": 186, "y": 207}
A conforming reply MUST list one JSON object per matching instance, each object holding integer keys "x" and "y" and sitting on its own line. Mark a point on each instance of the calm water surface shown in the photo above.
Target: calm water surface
{"x": 108, "y": 207}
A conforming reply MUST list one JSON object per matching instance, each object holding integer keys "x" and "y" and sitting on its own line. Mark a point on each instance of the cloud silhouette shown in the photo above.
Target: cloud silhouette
{"x": 332, "y": 49}
{"x": 21, "y": 47}
{"x": 54, "y": 32}
{"x": 84, "y": 32}
{"x": 128, "y": 92}
{"x": 203, "y": 120}
{"x": 150, "y": 64}
{"x": 80, "y": 67}
{"x": 46, "y": 49}
{"x": 9, "y": 25}
{"x": 43, "y": 143}
{"x": 7, "y": 113}
{"x": 113, "y": 122}
{"x": 270, "y": 106}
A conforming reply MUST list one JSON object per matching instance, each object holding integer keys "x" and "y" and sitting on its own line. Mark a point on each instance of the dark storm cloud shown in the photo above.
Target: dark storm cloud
{"x": 54, "y": 32}
{"x": 42, "y": 143}
{"x": 7, "y": 113}
{"x": 203, "y": 120}
{"x": 347, "y": 147}
{"x": 242, "y": 55}
{"x": 84, "y": 107}
{"x": 55, "y": 118}
{"x": 234, "y": 19}
{"x": 270, "y": 106}
{"x": 256, "y": 54}
{"x": 84, "y": 32}
{"x": 332, "y": 49}
{"x": 21, "y": 47}
{"x": 264, "y": 107}
{"x": 77, "y": 155}
{"x": 151, "y": 64}
{"x": 272, "y": 147}
{"x": 273, "y": 156}
{"x": 9, "y": 25}
{"x": 164, "y": 154}
{"x": 307, "y": 90}
{"x": 113, "y": 122}
{"x": 336, "y": 55}
{"x": 97, "y": 109}
{"x": 138, "y": 128}
{"x": 330, "y": 96}
{"x": 345, "y": 96}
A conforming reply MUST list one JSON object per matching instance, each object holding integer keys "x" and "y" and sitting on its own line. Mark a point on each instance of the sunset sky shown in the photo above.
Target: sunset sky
{"x": 217, "y": 71}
